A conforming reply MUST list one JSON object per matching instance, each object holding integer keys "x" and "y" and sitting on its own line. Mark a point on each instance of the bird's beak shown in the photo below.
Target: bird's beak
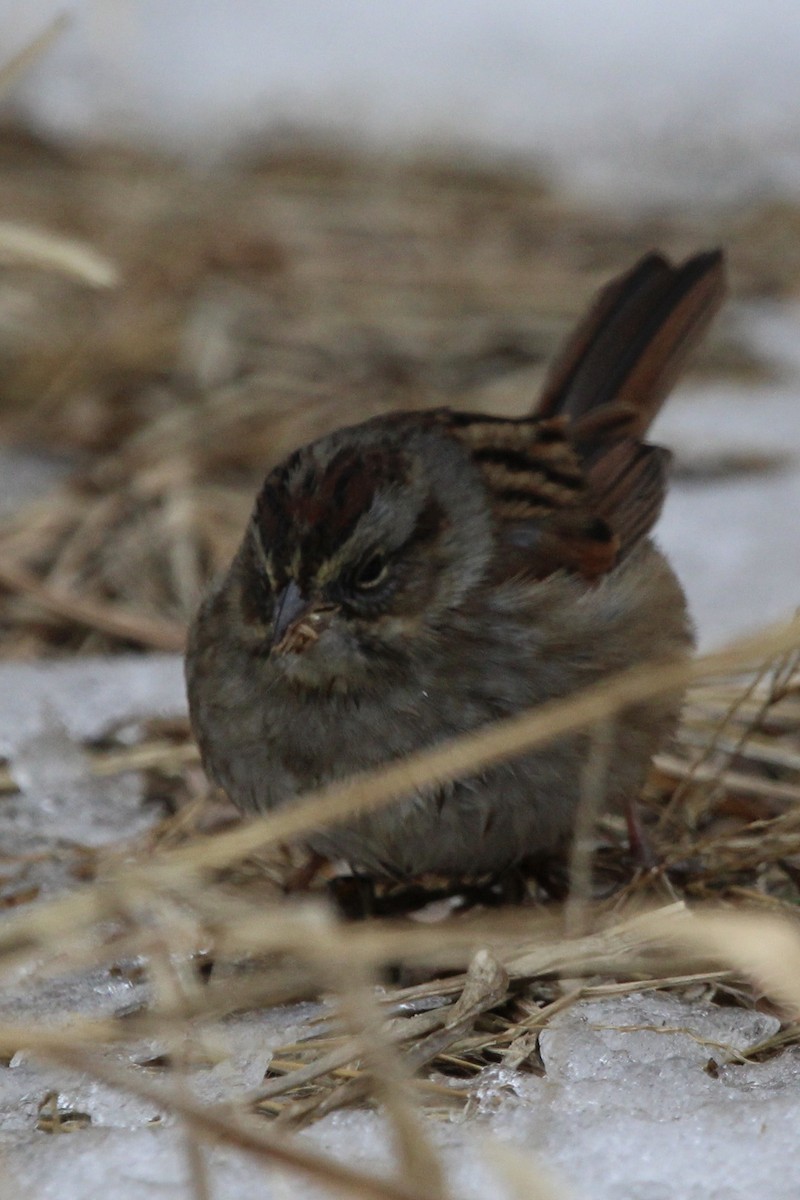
{"x": 290, "y": 605}
{"x": 298, "y": 621}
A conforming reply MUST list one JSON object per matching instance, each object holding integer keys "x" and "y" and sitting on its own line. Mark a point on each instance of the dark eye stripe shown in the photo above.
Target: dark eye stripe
{"x": 428, "y": 524}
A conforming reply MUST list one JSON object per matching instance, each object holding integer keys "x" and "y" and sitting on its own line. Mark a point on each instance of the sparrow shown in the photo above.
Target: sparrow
{"x": 417, "y": 576}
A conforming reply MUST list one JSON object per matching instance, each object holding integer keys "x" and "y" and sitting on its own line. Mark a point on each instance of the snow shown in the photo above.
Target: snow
{"x": 57, "y": 794}
{"x": 622, "y": 1112}
{"x": 46, "y": 712}
{"x": 87, "y": 697}
{"x": 694, "y": 99}
{"x": 636, "y": 1112}
{"x": 627, "y": 1109}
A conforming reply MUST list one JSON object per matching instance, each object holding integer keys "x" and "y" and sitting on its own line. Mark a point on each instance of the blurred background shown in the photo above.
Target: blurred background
{"x": 227, "y": 227}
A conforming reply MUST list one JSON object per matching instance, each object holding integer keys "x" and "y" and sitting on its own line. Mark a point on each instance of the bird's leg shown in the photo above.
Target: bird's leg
{"x": 638, "y": 842}
{"x": 303, "y": 876}
{"x": 354, "y": 896}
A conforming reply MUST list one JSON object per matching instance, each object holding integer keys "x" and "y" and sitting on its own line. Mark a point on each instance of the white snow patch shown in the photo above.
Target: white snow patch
{"x": 694, "y": 99}
{"x": 622, "y": 1111}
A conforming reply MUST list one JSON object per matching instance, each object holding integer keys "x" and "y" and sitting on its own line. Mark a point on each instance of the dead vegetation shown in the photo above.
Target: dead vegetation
{"x": 208, "y": 922}
{"x": 175, "y": 334}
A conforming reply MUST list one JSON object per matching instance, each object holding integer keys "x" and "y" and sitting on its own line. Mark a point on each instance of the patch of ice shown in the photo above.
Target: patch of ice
{"x": 622, "y": 1112}
{"x": 604, "y": 1038}
{"x": 60, "y": 799}
{"x": 46, "y": 710}
{"x": 633, "y": 1112}
{"x": 86, "y": 696}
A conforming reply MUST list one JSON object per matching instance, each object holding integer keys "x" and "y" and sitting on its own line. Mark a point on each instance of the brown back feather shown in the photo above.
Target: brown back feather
{"x": 573, "y": 485}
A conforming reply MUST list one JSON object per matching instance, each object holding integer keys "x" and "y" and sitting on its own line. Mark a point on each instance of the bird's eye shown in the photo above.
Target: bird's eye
{"x": 371, "y": 573}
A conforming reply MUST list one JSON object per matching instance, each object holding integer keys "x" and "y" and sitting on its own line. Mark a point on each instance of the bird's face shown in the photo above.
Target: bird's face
{"x": 355, "y": 552}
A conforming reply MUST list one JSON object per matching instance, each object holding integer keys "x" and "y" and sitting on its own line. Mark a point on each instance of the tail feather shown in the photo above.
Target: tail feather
{"x": 622, "y": 360}
{"x": 574, "y": 486}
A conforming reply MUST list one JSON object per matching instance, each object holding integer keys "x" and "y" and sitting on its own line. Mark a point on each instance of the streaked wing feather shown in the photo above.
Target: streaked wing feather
{"x": 530, "y": 467}
{"x": 628, "y": 487}
{"x": 573, "y": 486}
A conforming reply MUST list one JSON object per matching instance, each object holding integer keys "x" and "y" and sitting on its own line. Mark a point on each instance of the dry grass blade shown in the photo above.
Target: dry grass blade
{"x": 524, "y": 1177}
{"x": 22, "y": 245}
{"x": 729, "y": 1051}
{"x": 298, "y": 1077}
{"x": 154, "y": 633}
{"x": 593, "y": 789}
{"x": 460, "y": 757}
{"x": 766, "y": 949}
{"x": 484, "y": 987}
{"x": 464, "y": 755}
{"x": 737, "y": 781}
{"x": 709, "y": 744}
{"x": 779, "y": 675}
{"x": 417, "y": 1161}
{"x": 626, "y": 944}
